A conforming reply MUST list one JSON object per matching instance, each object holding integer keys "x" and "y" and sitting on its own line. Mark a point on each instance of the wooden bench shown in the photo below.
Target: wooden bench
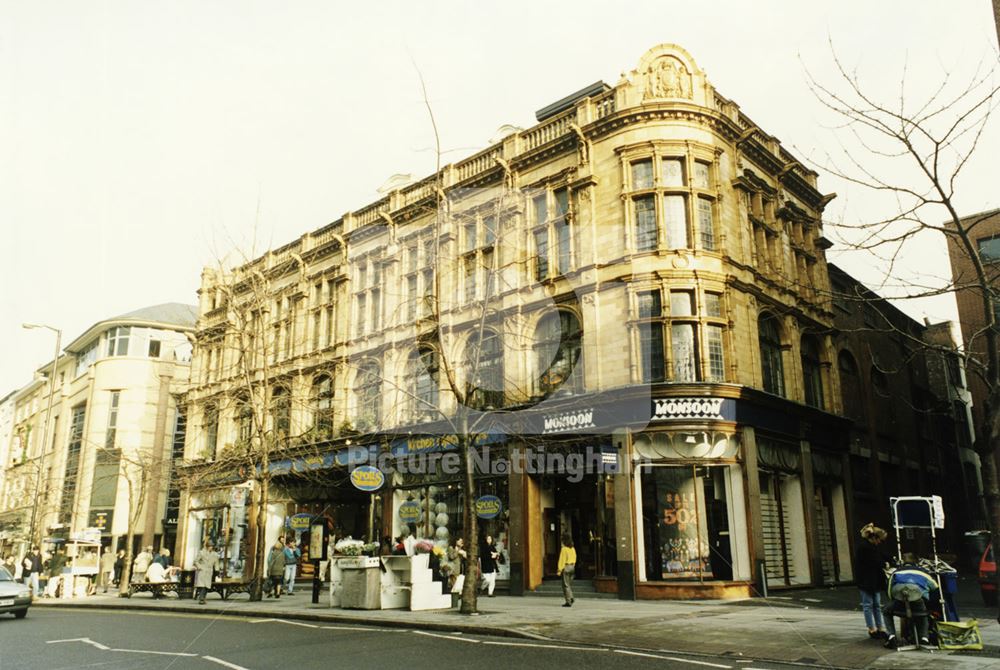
{"x": 156, "y": 588}
{"x": 228, "y": 587}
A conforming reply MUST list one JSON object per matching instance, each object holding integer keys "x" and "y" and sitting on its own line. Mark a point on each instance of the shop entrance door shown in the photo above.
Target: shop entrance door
{"x": 572, "y": 512}
{"x": 827, "y": 540}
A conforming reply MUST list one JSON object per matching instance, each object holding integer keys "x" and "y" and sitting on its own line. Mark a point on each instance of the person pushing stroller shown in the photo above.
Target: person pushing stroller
{"x": 909, "y": 583}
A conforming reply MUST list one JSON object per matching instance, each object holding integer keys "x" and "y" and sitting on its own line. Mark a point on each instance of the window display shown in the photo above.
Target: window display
{"x": 686, "y": 523}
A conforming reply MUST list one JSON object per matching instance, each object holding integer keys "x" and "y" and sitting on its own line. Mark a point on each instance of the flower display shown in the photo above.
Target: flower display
{"x": 349, "y": 547}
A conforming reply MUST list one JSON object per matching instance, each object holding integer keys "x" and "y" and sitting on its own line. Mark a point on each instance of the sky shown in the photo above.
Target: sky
{"x": 142, "y": 141}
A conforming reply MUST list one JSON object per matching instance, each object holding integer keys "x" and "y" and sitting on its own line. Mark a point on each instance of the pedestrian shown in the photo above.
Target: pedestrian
{"x": 869, "y": 574}
{"x": 275, "y": 569}
{"x": 55, "y": 569}
{"x": 292, "y": 554}
{"x": 141, "y": 564}
{"x": 107, "y": 572}
{"x": 163, "y": 558}
{"x": 205, "y": 564}
{"x": 119, "y": 566}
{"x": 488, "y": 556}
{"x": 32, "y": 570}
{"x": 567, "y": 568}
{"x": 457, "y": 557}
{"x": 909, "y": 583}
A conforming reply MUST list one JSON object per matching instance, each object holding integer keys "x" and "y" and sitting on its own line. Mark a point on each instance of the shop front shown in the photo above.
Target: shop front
{"x": 690, "y": 512}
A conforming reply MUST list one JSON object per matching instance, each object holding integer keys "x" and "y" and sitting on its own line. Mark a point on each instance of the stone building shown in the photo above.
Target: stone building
{"x": 638, "y": 280}
{"x": 114, "y": 416}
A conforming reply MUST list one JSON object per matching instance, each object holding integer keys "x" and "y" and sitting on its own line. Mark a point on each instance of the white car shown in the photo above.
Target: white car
{"x": 14, "y": 596}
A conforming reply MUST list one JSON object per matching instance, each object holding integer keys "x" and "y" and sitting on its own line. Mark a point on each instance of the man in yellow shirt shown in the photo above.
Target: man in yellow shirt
{"x": 567, "y": 568}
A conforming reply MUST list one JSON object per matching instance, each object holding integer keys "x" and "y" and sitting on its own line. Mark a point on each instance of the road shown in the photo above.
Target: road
{"x": 53, "y": 639}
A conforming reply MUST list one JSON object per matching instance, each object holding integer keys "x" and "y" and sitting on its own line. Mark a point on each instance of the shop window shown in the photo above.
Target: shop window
{"x": 553, "y": 235}
{"x": 322, "y": 401}
{"x": 696, "y": 348}
{"x": 772, "y": 368}
{"x": 812, "y": 375}
{"x": 368, "y": 393}
{"x": 244, "y": 421}
{"x": 484, "y": 370}
{"x": 211, "y": 426}
{"x": 850, "y": 386}
{"x": 422, "y": 384}
{"x": 281, "y": 412}
{"x": 685, "y": 523}
{"x": 558, "y": 340}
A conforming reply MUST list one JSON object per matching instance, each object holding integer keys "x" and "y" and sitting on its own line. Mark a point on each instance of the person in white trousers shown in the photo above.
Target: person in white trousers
{"x": 488, "y": 556}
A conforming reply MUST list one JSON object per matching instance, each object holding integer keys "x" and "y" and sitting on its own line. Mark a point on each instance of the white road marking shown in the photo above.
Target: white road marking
{"x": 445, "y": 637}
{"x": 213, "y": 659}
{"x": 541, "y": 646}
{"x": 672, "y": 658}
{"x": 372, "y": 628}
{"x": 812, "y": 600}
{"x": 85, "y": 640}
{"x": 290, "y": 623}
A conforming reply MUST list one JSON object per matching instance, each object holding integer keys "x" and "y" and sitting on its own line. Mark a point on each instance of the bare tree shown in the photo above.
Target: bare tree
{"x": 913, "y": 153}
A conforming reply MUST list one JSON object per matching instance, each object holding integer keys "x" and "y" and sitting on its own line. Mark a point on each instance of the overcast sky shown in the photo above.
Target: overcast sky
{"x": 139, "y": 141}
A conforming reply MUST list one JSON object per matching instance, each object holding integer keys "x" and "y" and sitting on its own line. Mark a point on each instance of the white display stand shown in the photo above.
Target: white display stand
{"x": 406, "y": 581}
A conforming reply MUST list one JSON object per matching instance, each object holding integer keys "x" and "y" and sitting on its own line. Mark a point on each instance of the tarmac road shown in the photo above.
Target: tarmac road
{"x": 53, "y": 639}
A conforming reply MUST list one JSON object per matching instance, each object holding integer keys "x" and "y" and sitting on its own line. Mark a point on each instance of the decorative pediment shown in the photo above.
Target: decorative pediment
{"x": 667, "y": 73}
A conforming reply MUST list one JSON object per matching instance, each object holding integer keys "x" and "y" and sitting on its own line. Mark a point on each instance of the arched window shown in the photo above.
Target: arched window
{"x": 772, "y": 369}
{"x": 558, "y": 338}
{"x": 422, "y": 384}
{"x": 281, "y": 411}
{"x": 850, "y": 386}
{"x": 484, "y": 370}
{"x": 368, "y": 392}
{"x": 322, "y": 402}
{"x": 812, "y": 376}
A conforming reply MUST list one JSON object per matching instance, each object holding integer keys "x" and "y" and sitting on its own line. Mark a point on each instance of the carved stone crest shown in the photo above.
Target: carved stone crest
{"x": 667, "y": 77}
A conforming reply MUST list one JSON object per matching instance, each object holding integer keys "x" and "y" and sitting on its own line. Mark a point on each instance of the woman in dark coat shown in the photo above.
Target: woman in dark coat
{"x": 869, "y": 574}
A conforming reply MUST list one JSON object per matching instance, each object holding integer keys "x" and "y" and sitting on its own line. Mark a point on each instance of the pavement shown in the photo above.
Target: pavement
{"x": 811, "y": 628}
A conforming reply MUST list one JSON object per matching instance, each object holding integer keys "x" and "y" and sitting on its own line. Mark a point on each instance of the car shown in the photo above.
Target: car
{"x": 988, "y": 576}
{"x": 15, "y": 597}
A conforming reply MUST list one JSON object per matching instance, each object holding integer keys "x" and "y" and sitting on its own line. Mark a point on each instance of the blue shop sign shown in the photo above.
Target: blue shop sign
{"x": 488, "y": 507}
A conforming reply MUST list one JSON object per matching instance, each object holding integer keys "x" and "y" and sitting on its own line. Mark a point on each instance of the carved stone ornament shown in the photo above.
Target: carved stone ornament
{"x": 667, "y": 77}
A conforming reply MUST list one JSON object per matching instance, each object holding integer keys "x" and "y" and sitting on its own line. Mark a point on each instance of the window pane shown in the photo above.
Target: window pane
{"x": 651, "y": 351}
{"x": 411, "y": 297}
{"x": 681, "y": 303}
{"x": 562, "y": 202}
{"x": 470, "y": 278}
{"x": 713, "y": 304}
{"x": 470, "y": 236}
{"x": 539, "y": 208}
{"x": 645, "y": 224}
{"x": 490, "y": 231}
{"x": 700, "y": 178}
{"x": 706, "y": 225}
{"x": 362, "y": 308}
{"x": 491, "y": 284}
{"x": 154, "y": 348}
{"x": 675, "y": 221}
{"x": 673, "y": 172}
{"x": 683, "y": 351}
{"x": 989, "y": 249}
{"x": 541, "y": 254}
{"x": 563, "y": 249}
{"x": 649, "y": 304}
{"x": 642, "y": 174}
{"x": 716, "y": 359}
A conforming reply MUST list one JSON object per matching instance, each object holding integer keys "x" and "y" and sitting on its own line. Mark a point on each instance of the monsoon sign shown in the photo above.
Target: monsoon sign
{"x": 367, "y": 478}
{"x": 488, "y": 507}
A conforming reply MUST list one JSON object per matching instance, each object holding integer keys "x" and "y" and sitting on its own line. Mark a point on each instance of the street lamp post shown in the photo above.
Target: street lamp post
{"x": 48, "y": 421}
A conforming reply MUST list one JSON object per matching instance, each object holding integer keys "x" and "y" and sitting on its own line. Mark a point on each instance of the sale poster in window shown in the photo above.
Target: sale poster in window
{"x": 683, "y": 536}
